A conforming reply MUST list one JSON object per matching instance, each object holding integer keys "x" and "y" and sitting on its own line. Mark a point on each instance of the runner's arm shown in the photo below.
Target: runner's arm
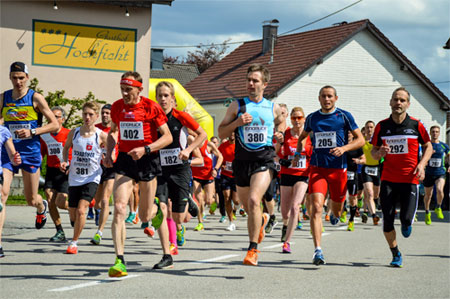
{"x": 219, "y": 156}
{"x": 13, "y": 155}
{"x": 64, "y": 166}
{"x": 427, "y": 151}
{"x": 196, "y": 142}
{"x": 230, "y": 122}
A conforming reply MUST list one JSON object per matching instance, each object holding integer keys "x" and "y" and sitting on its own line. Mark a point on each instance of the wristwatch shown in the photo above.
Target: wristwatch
{"x": 33, "y": 132}
{"x": 297, "y": 154}
{"x": 147, "y": 149}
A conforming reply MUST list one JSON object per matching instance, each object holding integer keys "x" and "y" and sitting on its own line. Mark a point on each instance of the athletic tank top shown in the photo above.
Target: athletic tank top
{"x": 204, "y": 172}
{"x": 254, "y": 140}
{"x": 20, "y": 114}
{"x": 86, "y": 155}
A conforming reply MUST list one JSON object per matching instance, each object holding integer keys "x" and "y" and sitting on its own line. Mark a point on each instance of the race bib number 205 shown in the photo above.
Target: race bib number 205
{"x": 325, "y": 139}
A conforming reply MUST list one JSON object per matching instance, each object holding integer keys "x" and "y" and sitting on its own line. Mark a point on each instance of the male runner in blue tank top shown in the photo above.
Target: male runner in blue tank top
{"x": 21, "y": 109}
{"x": 254, "y": 120}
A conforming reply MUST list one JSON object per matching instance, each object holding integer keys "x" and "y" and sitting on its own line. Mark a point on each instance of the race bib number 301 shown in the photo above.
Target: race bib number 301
{"x": 301, "y": 164}
{"x": 325, "y": 139}
{"x": 131, "y": 130}
{"x": 255, "y": 134}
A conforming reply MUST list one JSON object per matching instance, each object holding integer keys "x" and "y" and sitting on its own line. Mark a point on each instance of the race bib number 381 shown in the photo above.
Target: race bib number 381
{"x": 131, "y": 130}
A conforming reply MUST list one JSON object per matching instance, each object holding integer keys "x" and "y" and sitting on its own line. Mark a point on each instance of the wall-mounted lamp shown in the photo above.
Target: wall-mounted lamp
{"x": 55, "y": 6}
{"x": 127, "y": 14}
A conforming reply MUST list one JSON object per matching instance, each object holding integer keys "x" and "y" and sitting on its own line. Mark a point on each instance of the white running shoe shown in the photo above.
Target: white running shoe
{"x": 231, "y": 227}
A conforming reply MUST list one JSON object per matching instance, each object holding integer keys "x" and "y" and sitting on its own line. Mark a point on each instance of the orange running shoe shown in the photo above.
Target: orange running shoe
{"x": 376, "y": 219}
{"x": 262, "y": 231}
{"x": 251, "y": 258}
{"x": 72, "y": 249}
{"x": 327, "y": 217}
{"x": 149, "y": 231}
{"x": 136, "y": 219}
{"x": 173, "y": 249}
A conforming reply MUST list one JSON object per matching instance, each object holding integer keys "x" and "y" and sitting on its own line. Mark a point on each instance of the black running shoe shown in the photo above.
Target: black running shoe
{"x": 1, "y": 252}
{"x": 59, "y": 237}
{"x": 192, "y": 207}
{"x": 165, "y": 263}
{"x": 283, "y": 233}
{"x": 41, "y": 219}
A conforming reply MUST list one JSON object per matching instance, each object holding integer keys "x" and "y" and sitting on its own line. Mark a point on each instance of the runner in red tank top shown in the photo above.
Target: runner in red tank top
{"x": 135, "y": 121}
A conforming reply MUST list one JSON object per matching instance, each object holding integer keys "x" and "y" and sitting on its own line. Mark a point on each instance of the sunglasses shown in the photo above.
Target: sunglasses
{"x": 297, "y": 117}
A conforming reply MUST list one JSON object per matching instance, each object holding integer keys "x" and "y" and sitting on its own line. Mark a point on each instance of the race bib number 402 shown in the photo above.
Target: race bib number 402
{"x": 131, "y": 130}
{"x": 255, "y": 134}
{"x": 325, "y": 139}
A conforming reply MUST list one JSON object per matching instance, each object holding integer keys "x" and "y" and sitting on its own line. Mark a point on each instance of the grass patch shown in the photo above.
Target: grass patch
{"x": 19, "y": 200}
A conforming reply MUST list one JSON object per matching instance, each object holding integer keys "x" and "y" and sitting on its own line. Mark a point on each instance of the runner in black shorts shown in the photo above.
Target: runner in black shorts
{"x": 397, "y": 139}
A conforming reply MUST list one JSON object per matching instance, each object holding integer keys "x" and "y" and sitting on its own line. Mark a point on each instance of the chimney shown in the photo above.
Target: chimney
{"x": 157, "y": 59}
{"x": 270, "y": 31}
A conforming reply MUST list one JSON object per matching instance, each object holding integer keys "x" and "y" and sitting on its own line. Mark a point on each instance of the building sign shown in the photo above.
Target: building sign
{"x": 83, "y": 46}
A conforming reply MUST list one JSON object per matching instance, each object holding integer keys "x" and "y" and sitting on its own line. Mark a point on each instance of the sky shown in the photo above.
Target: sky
{"x": 419, "y": 28}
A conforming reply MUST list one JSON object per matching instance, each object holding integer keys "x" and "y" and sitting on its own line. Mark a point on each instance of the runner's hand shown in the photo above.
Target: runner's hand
{"x": 337, "y": 151}
{"x": 184, "y": 155}
{"x": 137, "y": 153}
{"x": 17, "y": 159}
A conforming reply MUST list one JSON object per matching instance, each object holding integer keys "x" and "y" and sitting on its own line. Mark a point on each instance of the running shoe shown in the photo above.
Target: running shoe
{"x": 318, "y": 258}
{"x": 130, "y": 218}
{"x": 397, "y": 261}
{"x": 305, "y": 216}
{"x": 271, "y": 225}
{"x": 406, "y": 230}
{"x": 2, "y": 254}
{"x": 144, "y": 225}
{"x": 212, "y": 208}
{"x": 333, "y": 220}
{"x": 192, "y": 207}
{"x": 90, "y": 214}
{"x": 283, "y": 233}
{"x": 165, "y": 263}
{"x": 173, "y": 249}
{"x": 96, "y": 239}
{"x": 159, "y": 217}
{"x": 343, "y": 217}
{"x": 135, "y": 220}
{"x": 364, "y": 217}
{"x": 251, "y": 258}
{"x": 357, "y": 214}
{"x": 204, "y": 215}
{"x": 149, "y": 231}
{"x": 351, "y": 226}
{"x": 199, "y": 227}
{"x": 286, "y": 247}
{"x": 41, "y": 218}
{"x": 262, "y": 231}
{"x": 118, "y": 270}
{"x": 223, "y": 219}
{"x": 72, "y": 249}
{"x": 376, "y": 219}
{"x": 58, "y": 237}
{"x": 439, "y": 214}
{"x": 327, "y": 217}
{"x": 180, "y": 236}
{"x": 242, "y": 212}
{"x": 360, "y": 203}
{"x": 97, "y": 216}
{"x": 428, "y": 218}
{"x": 231, "y": 227}
{"x": 299, "y": 225}
{"x": 234, "y": 216}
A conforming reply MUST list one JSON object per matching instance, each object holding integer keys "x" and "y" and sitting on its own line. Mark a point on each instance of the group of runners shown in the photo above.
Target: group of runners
{"x": 160, "y": 157}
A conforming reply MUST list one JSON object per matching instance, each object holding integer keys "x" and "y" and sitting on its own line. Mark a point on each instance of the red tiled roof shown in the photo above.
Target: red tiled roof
{"x": 293, "y": 55}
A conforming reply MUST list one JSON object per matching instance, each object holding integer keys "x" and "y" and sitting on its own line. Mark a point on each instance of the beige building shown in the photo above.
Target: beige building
{"x": 77, "y": 46}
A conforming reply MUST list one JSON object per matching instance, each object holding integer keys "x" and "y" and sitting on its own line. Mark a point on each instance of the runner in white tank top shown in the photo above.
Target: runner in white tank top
{"x": 85, "y": 171}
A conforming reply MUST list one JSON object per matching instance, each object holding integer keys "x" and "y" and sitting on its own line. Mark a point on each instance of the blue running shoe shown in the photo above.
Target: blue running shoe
{"x": 397, "y": 261}
{"x": 90, "y": 214}
{"x": 333, "y": 220}
{"x": 180, "y": 236}
{"x": 299, "y": 225}
{"x": 406, "y": 230}
{"x": 318, "y": 258}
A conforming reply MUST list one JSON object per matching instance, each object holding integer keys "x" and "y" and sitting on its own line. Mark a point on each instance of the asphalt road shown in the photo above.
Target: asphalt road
{"x": 210, "y": 263}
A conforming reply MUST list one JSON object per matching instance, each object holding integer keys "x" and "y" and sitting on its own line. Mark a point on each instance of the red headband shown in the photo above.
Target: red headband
{"x": 130, "y": 82}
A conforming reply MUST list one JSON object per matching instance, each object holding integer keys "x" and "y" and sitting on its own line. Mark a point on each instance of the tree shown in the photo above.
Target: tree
{"x": 206, "y": 56}
{"x": 72, "y": 106}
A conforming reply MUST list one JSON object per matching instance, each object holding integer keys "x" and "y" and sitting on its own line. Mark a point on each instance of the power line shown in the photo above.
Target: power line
{"x": 241, "y": 42}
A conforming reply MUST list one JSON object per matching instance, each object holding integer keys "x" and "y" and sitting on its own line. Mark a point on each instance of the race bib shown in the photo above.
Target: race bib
{"x": 170, "y": 157}
{"x": 277, "y": 166}
{"x": 301, "y": 164}
{"x": 255, "y": 134}
{"x": 371, "y": 170}
{"x": 131, "y": 130}
{"x": 398, "y": 146}
{"x": 54, "y": 149}
{"x": 229, "y": 166}
{"x": 435, "y": 162}
{"x": 15, "y": 127}
{"x": 325, "y": 139}
{"x": 350, "y": 175}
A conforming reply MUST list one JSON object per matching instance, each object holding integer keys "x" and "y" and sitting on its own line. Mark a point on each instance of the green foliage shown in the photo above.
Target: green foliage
{"x": 71, "y": 106}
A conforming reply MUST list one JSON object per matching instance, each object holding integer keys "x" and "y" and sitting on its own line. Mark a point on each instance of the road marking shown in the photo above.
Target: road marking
{"x": 91, "y": 283}
{"x": 215, "y": 259}
{"x": 276, "y": 245}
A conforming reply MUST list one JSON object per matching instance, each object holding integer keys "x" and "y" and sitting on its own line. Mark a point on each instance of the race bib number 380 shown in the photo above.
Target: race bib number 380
{"x": 131, "y": 130}
{"x": 325, "y": 139}
{"x": 255, "y": 134}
